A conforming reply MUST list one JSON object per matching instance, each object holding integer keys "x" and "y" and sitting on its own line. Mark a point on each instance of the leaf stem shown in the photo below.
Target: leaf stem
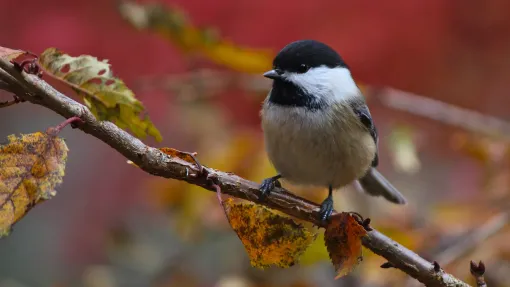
{"x": 75, "y": 119}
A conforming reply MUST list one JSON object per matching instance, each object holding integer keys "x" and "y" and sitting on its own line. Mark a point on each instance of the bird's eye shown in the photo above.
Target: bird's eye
{"x": 303, "y": 68}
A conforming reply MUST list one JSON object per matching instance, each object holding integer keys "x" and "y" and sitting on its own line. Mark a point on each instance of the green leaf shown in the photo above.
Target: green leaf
{"x": 106, "y": 96}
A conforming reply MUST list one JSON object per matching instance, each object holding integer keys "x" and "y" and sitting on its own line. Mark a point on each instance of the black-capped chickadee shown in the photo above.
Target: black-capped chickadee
{"x": 318, "y": 130}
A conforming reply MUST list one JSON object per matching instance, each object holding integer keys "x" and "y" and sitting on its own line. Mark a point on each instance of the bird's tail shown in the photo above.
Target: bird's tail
{"x": 375, "y": 184}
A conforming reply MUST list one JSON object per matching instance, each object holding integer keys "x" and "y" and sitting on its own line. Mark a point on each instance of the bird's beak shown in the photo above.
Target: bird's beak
{"x": 273, "y": 74}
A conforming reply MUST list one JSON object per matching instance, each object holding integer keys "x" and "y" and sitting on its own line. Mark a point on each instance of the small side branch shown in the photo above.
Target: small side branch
{"x": 14, "y": 101}
{"x": 478, "y": 270}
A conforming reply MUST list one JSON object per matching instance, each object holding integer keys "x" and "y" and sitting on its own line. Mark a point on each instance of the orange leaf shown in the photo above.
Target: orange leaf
{"x": 343, "y": 241}
{"x": 269, "y": 238}
{"x": 177, "y": 153}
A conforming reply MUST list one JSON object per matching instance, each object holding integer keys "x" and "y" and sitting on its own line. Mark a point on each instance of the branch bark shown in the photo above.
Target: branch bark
{"x": 154, "y": 162}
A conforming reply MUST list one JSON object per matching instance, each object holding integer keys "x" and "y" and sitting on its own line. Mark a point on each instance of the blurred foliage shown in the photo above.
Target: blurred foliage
{"x": 107, "y": 97}
{"x": 316, "y": 252}
{"x": 31, "y": 166}
{"x": 174, "y": 25}
{"x": 404, "y": 150}
{"x": 461, "y": 188}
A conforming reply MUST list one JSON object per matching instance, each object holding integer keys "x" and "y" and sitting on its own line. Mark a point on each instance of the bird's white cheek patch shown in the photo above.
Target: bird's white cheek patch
{"x": 328, "y": 84}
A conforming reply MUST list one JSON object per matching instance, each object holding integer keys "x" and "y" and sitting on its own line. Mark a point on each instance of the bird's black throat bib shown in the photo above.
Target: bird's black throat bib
{"x": 287, "y": 94}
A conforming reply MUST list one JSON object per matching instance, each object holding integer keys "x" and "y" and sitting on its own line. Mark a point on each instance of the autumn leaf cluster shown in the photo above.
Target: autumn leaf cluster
{"x": 33, "y": 165}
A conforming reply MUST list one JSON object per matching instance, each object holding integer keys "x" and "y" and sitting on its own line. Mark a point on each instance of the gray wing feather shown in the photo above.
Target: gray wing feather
{"x": 373, "y": 182}
{"x": 363, "y": 113}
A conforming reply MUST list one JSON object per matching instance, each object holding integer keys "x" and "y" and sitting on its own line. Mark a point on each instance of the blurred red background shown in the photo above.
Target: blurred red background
{"x": 454, "y": 51}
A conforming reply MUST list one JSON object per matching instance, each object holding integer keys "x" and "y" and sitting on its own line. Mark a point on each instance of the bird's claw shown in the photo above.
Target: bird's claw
{"x": 326, "y": 209}
{"x": 268, "y": 185}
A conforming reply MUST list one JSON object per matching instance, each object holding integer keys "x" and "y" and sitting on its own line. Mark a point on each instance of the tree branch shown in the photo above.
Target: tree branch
{"x": 470, "y": 120}
{"x": 153, "y": 161}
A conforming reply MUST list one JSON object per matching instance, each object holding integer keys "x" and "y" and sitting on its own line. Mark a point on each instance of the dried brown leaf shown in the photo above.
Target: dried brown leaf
{"x": 343, "y": 241}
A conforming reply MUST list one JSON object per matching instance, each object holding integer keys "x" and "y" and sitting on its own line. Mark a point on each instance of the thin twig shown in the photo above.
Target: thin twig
{"x": 446, "y": 113}
{"x": 70, "y": 121}
{"x": 14, "y": 101}
{"x": 473, "y": 239}
{"x": 153, "y": 161}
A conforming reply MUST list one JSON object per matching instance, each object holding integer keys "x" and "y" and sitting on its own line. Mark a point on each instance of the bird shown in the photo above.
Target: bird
{"x": 317, "y": 127}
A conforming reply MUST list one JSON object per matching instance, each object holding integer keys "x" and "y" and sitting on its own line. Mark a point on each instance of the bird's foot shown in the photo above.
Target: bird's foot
{"x": 326, "y": 209}
{"x": 327, "y": 206}
{"x": 268, "y": 185}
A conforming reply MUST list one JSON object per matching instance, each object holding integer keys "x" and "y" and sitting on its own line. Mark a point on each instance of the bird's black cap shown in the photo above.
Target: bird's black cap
{"x": 307, "y": 53}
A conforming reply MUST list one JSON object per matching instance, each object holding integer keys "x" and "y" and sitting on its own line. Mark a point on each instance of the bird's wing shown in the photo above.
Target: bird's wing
{"x": 363, "y": 113}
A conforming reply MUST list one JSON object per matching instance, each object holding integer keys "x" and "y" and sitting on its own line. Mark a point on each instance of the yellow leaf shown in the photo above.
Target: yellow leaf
{"x": 173, "y": 25}
{"x": 239, "y": 59}
{"x": 31, "y": 166}
{"x": 343, "y": 241}
{"x": 106, "y": 96}
{"x": 269, "y": 238}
